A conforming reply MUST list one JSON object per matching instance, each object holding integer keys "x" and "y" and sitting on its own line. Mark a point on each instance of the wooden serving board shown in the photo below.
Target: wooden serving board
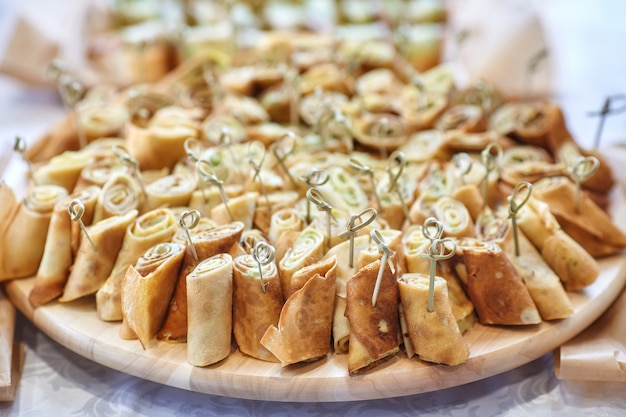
{"x": 494, "y": 349}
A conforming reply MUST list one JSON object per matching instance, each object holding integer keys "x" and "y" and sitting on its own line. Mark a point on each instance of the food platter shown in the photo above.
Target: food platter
{"x": 493, "y": 349}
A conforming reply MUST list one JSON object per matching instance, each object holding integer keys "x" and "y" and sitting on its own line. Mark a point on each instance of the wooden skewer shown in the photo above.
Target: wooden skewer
{"x": 515, "y": 206}
{"x": 263, "y": 253}
{"x": 189, "y": 219}
{"x": 355, "y": 224}
{"x": 76, "y": 209}
{"x": 385, "y": 260}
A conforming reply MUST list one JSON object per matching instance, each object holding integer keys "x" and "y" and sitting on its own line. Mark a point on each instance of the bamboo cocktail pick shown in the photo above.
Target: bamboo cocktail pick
{"x": 256, "y": 167}
{"x": 366, "y": 170}
{"x": 19, "y": 146}
{"x": 605, "y": 111}
{"x": 189, "y": 219}
{"x": 355, "y": 224}
{"x": 439, "y": 250}
{"x": 316, "y": 197}
{"x": 193, "y": 150}
{"x": 263, "y": 253}
{"x": 515, "y": 204}
{"x": 127, "y": 159}
{"x": 207, "y": 174}
{"x": 76, "y": 209}
{"x": 395, "y": 168}
{"x": 583, "y": 169}
{"x": 385, "y": 260}
{"x": 314, "y": 178}
{"x": 281, "y": 149}
{"x": 491, "y": 163}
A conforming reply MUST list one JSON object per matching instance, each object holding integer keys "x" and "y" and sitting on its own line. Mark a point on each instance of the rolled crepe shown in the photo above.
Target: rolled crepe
{"x": 63, "y": 170}
{"x": 58, "y": 256}
{"x": 591, "y": 226}
{"x": 147, "y": 288}
{"x": 471, "y": 197}
{"x": 374, "y": 329}
{"x": 393, "y": 240}
{"x": 569, "y": 260}
{"x": 25, "y": 238}
{"x": 308, "y": 248}
{"x": 98, "y": 172}
{"x": 241, "y": 208}
{"x": 255, "y": 309}
{"x": 456, "y": 219}
{"x": 92, "y": 266}
{"x": 494, "y": 286}
{"x": 414, "y": 246}
{"x": 434, "y": 335}
{"x": 343, "y": 192}
{"x": 101, "y": 120}
{"x": 462, "y": 117}
{"x": 170, "y": 191}
{"x": 120, "y": 194}
{"x": 341, "y": 325}
{"x": 210, "y": 310}
{"x": 149, "y": 229}
{"x": 266, "y": 207}
{"x": 304, "y": 328}
{"x": 207, "y": 243}
{"x": 283, "y": 220}
{"x": 207, "y": 198}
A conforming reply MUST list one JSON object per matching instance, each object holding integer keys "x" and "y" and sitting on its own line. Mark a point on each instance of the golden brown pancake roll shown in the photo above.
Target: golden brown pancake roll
{"x": 24, "y": 240}
{"x": 257, "y": 302}
{"x": 304, "y": 328}
{"x": 494, "y": 286}
{"x": 374, "y": 329}
{"x": 149, "y": 229}
{"x": 434, "y": 335}
{"x": 210, "y": 310}
{"x": 120, "y": 194}
{"x": 207, "y": 242}
{"x": 147, "y": 288}
{"x": 93, "y": 265}
{"x": 170, "y": 191}
{"x": 58, "y": 256}
{"x": 63, "y": 170}
{"x": 307, "y": 249}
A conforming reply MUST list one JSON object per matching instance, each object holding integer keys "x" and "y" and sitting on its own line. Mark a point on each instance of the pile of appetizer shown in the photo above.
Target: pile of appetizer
{"x": 310, "y": 197}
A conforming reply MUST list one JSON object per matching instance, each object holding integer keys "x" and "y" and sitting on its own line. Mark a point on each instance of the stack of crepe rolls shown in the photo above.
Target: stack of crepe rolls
{"x": 363, "y": 115}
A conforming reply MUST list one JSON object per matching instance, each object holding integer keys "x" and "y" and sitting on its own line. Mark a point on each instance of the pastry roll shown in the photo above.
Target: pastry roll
{"x": 393, "y": 240}
{"x": 374, "y": 329}
{"x": 343, "y": 191}
{"x": 591, "y": 226}
{"x": 147, "y": 288}
{"x": 241, "y": 208}
{"x": 569, "y": 260}
{"x": 283, "y": 220}
{"x": 307, "y": 248}
{"x": 149, "y": 229}
{"x": 92, "y": 265}
{"x": 98, "y": 172}
{"x": 255, "y": 308}
{"x": 207, "y": 198}
{"x": 170, "y": 191}
{"x": 58, "y": 255}
{"x": 207, "y": 242}
{"x": 210, "y": 310}
{"x": 494, "y": 286}
{"x": 274, "y": 202}
{"x": 25, "y": 237}
{"x": 304, "y": 328}
{"x": 434, "y": 335}
{"x": 456, "y": 219}
{"x": 63, "y": 170}
{"x": 120, "y": 194}
{"x": 472, "y": 199}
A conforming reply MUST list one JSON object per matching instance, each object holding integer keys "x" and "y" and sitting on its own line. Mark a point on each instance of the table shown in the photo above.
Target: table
{"x": 56, "y": 381}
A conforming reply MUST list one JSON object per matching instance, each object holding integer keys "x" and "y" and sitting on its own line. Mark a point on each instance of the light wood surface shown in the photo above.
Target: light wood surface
{"x": 494, "y": 349}
{"x": 11, "y": 354}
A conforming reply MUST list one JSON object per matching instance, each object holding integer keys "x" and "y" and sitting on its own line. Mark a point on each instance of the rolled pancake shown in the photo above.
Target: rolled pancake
{"x": 254, "y": 309}
{"x": 241, "y": 208}
{"x": 207, "y": 243}
{"x": 92, "y": 266}
{"x": 24, "y": 241}
{"x": 393, "y": 240}
{"x": 278, "y": 201}
{"x": 434, "y": 335}
{"x": 58, "y": 256}
{"x": 210, "y": 310}
{"x": 307, "y": 248}
{"x": 170, "y": 191}
{"x": 303, "y": 275}
{"x": 63, "y": 170}
{"x": 282, "y": 220}
{"x": 120, "y": 194}
{"x": 155, "y": 226}
{"x": 455, "y": 216}
{"x": 304, "y": 329}
{"x": 206, "y": 199}
{"x": 374, "y": 329}
{"x": 147, "y": 288}
{"x": 497, "y": 291}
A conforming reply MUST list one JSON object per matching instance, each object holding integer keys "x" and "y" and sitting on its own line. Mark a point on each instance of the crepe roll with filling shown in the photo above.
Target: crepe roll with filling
{"x": 257, "y": 302}
{"x": 374, "y": 328}
{"x": 147, "y": 288}
{"x": 58, "y": 256}
{"x": 267, "y": 205}
{"x": 63, "y": 170}
{"x": 393, "y": 239}
{"x": 94, "y": 263}
{"x": 494, "y": 286}
{"x": 120, "y": 194}
{"x": 210, "y": 310}
{"x": 170, "y": 191}
{"x": 569, "y": 260}
{"x": 207, "y": 242}
{"x": 434, "y": 335}
{"x": 286, "y": 219}
{"x": 24, "y": 241}
{"x": 240, "y": 208}
{"x": 303, "y": 333}
{"x": 307, "y": 249}
{"x": 149, "y": 229}
{"x": 456, "y": 218}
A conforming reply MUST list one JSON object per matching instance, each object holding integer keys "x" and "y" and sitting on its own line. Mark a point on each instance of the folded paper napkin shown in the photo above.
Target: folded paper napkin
{"x": 599, "y": 352}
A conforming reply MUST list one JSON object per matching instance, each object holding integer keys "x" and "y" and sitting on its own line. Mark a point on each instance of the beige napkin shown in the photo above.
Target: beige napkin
{"x": 599, "y": 352}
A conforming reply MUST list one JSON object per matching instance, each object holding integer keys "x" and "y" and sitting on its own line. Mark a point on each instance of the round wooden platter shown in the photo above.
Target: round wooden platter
{"x": 494, "y": 349}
